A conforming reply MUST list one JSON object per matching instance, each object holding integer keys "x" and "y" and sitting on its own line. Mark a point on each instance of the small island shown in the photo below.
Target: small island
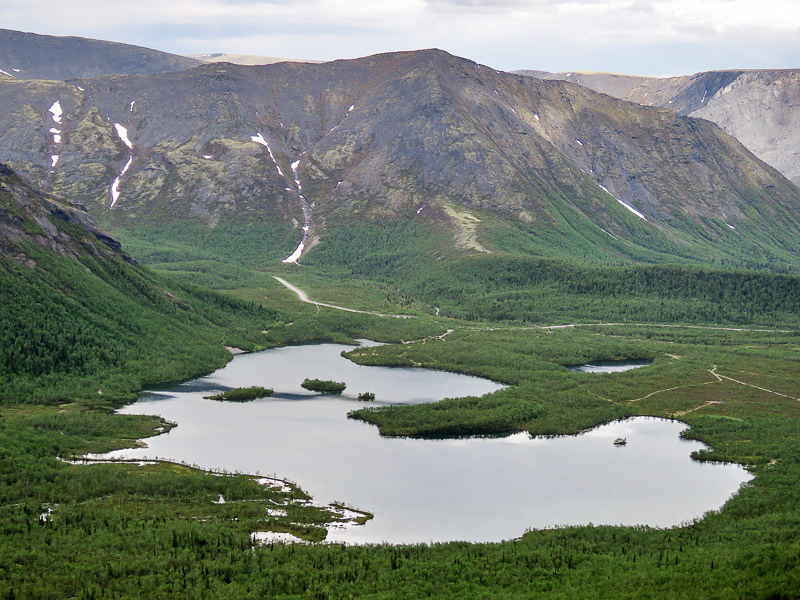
{"x": 323, "y": 386}
{"x": 244, "y": 394}
{"x": 366, "y": 396}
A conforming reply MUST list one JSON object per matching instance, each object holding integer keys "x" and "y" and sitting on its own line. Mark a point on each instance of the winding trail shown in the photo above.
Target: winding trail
{"x": 721, "y": 377}
{"x": 304, "y": 298}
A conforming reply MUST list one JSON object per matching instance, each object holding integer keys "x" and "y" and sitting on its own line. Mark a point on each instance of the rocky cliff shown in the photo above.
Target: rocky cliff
{"x": 761, "y": 108}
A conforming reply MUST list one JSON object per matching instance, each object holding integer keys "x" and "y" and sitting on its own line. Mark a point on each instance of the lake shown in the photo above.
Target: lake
{"x": 475, "y": 489}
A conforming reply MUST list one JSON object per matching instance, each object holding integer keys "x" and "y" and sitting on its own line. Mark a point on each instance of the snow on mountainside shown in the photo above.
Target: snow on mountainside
{"x": 760, "y": 108}
{"x": 415, "y": 136}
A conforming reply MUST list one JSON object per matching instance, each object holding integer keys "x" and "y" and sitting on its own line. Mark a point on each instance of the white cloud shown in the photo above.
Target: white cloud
{"x": 645, "y": 36}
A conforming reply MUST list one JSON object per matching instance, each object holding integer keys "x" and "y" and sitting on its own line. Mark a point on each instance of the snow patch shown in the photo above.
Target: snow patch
{"x": 536, "y": 117}
{"x": 208, "y": 156}
{"x": 633, "y": 210}
{"x": 731, "y": 226}
{"x": 6, "y": 73}
{"x": 220, "y": 500}
{"x": 122, "y": 132}
{"x": 259, "y": 139}
{"x": 53, "y": 160}
{"x": 56, "y": 111}
{"x": 127, "y": 166}
{"x": 115, "y": 185}
{"x": 580, "y": 143}
{"x": 625, "y": 204}
{"x": 16, "y": 70}
{"x": 276, "y": 512}
{"x": 295, "y": 164}
{"x": 131, "y": 108}
{"x": 349, "y": 110}
{"x": 292, "y": 258}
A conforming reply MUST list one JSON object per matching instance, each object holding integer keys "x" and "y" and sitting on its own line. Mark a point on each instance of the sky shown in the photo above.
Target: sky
{"x": 643, "y": 37}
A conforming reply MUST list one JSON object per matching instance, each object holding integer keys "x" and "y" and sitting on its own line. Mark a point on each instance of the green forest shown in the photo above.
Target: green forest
{"x": 82, "y": 338}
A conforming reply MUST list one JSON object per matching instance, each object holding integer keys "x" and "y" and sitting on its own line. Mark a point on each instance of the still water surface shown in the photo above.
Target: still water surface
{"x": 474, "y": 489}
{"x": 610, "y": 366}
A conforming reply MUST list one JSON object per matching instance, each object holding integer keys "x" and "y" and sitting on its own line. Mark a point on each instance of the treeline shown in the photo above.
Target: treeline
{"x": 549, "y": 286}
{"x": 525, "y": 289}
{"x": 76, "y": 328}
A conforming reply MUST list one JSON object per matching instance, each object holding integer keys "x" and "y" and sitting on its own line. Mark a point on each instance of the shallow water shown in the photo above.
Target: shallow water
{"x": 473, "y": 489}
{"x": 610, "y": 366}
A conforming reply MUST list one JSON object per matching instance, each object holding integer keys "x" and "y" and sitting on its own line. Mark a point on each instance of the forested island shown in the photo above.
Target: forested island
{"x": 244, "y": 394}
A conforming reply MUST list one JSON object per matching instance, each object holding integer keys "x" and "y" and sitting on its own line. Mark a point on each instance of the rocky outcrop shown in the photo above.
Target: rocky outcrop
{"x": 28, "y": 217}
{"x": 760, "y": 108}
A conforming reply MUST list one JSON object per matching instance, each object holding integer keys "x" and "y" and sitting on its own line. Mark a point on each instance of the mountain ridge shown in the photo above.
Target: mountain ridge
{"x": 760, "y": 107}
{"x": 419, "y": 135}
{"x": 25, "y": 55}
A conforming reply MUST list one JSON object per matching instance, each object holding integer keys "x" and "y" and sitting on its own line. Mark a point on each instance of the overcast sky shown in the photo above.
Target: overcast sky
{"x": 647, "y": 37}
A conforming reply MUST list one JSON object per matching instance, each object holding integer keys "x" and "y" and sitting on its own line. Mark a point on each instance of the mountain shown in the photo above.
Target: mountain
{"x": 78, "y": 316}
{"x": 490, "y": 161}
{"x": 34, "y": 56}
{"x": 29, "y": 219}
{"x": 761, "y": 108}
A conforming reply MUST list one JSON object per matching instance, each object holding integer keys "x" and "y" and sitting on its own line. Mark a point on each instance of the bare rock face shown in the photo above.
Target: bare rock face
{"x": 28, "y": 217}
{"x": 760, "y": 108}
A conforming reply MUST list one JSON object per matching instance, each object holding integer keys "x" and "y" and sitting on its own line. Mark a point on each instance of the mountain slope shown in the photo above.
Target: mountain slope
{"x": 501, "y": 161}
{"x": 761, "y": 108}
{"x": 78, "y": 319}
{"x": 34, "y": 56}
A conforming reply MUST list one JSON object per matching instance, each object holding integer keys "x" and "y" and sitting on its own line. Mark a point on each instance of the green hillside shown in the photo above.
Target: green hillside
{"x": 79, "y": 319}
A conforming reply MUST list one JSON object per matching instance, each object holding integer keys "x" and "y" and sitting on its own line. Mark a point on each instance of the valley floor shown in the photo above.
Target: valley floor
{"x": 123, "y": 531}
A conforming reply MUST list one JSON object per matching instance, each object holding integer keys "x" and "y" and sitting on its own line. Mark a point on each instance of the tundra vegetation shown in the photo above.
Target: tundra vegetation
{"x": 725, "y": 352}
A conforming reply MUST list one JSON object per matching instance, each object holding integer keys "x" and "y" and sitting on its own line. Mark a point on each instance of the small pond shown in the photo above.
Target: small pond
{"x": 610, "y": 366}
{"x": 473, "y": 489}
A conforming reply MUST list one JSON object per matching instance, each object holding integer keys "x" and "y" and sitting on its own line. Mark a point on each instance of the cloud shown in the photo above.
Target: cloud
{"x": 642, "y": 6}
{"x": 644, "y": 36}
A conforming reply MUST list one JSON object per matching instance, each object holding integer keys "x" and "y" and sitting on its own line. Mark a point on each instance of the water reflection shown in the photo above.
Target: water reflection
{"x": 475, "y": 489}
